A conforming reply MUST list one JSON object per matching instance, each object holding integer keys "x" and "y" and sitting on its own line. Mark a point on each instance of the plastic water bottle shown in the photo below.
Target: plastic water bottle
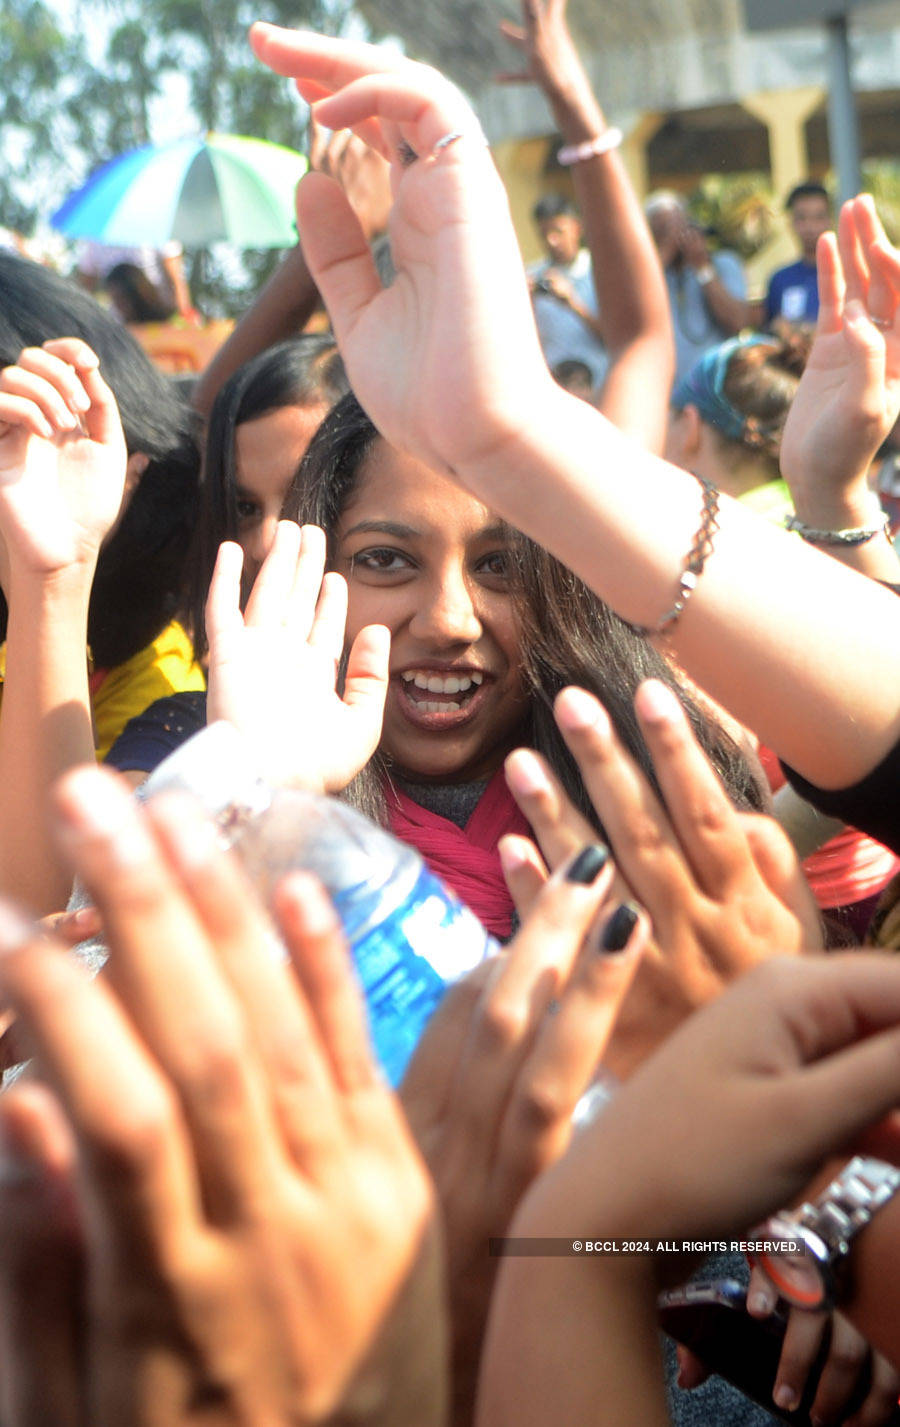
{"x": 410, "y": 936}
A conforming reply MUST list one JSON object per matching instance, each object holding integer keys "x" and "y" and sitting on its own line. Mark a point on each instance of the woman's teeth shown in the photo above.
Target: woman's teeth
{"x": 436, "y": 684}
{"x": 432, "y": 683}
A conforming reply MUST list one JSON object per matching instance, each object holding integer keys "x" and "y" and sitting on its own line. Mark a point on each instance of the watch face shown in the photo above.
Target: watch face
{"x": 797, "y": 1277}
{"x": 799, "y": 1273}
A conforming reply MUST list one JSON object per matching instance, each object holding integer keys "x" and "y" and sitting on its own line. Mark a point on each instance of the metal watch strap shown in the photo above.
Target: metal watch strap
{"x": 863, "y": 1187}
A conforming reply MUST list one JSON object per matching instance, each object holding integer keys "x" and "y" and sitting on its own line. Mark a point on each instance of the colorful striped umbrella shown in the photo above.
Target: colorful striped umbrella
{"x": 221, "y": 189}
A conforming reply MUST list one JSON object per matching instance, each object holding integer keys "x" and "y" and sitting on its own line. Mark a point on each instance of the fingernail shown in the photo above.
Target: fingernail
{"x": 512, "y": 855}
{"x": 785, "y": 1397}
{"x": 309, "y": 903}
{"x": 618, "y": 930}
{"x": 658, "y": 703}
{"x": 15, "y": 928}
{"x": 91, "y": 806}
{"x": 760, "y": 1302}
{"x": 84, "y": 917}
{"x": 588, "y": 864}
{"x": 578, "y": 709}
{"x": 527, "y": 773}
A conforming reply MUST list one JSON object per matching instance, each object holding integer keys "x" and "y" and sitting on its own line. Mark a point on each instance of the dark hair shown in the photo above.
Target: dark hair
{"x": 138, "y": 586}
{"x": 568, "y": 635}
{"x": 553, "y": 205}
{"x": 807, "y": 190}
{"x": 143, "y": 301}
{"x": 305, "y": 371}
{"x": 760, "y": 384}
{"x": 572, "y": 371}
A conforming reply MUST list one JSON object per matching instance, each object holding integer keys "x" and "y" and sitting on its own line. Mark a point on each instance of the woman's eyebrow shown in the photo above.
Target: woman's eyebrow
{"x": 383, "y": 527}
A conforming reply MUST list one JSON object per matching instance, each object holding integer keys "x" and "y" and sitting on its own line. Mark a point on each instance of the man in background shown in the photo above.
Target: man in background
{"x": 562, "y": 290}
{"x": 707, "y": 290}
{"x": 793, "y": 295}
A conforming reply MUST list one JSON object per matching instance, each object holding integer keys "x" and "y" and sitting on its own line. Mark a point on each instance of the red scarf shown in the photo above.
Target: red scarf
{"x": 466, "y": 858}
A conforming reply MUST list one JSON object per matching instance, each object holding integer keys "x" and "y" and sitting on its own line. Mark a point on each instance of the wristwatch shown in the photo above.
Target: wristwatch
{"x": 804, "y": 1251}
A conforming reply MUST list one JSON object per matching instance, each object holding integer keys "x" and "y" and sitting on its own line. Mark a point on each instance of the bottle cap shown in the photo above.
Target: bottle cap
{"x": 217, "y": 768}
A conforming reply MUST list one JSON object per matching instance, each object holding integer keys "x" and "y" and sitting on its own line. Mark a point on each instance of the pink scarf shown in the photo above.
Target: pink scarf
{"x": 466, "y": 858}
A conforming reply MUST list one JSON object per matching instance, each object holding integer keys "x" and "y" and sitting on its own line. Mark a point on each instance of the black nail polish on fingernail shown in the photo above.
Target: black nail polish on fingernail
{"x": 588, "y": 864}
{"x": 618, "y": 930}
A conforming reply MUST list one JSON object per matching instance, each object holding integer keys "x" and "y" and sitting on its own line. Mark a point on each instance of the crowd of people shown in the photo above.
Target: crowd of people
{"x": 577, "y": 581}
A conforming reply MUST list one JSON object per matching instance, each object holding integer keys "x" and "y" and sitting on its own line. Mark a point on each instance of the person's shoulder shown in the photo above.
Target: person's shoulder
{"x": 727, "y": 260}
{"x": 730, "y": 270}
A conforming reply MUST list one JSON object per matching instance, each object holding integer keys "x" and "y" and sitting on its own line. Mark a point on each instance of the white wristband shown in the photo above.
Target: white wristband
{"x": 706, "y": 274}
{"x": 590, "y": 149}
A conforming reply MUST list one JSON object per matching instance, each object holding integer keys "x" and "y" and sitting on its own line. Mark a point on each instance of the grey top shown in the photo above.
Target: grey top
{"x": 454, "y": 801}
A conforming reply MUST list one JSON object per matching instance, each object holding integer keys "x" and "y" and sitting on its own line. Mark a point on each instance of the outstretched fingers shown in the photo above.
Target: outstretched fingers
{"x": 711, "y": 834}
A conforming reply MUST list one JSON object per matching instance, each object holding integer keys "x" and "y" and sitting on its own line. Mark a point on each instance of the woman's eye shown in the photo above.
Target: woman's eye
{"x": 496, "y": 564}
{"x": 382, "y": 561}
{"x": 247, "y": 510}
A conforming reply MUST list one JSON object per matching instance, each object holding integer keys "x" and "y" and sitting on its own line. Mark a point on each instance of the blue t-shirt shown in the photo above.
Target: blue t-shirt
{"x": 793, "y": 293}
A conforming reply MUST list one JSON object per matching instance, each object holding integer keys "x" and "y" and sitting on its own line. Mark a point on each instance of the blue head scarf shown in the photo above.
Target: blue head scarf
{"x": 704, "y": 385}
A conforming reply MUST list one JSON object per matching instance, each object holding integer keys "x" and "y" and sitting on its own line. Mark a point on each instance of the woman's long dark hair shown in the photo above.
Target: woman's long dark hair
{"x": 306, "y": 371}
{"x": 569, "y": 636}
{"x": 138, "y": 587}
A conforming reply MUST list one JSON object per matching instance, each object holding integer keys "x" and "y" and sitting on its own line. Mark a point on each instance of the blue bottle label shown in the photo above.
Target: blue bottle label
{"x": 406, "y": 962}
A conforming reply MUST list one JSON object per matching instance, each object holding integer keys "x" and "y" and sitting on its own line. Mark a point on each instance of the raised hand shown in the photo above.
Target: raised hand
{"x": 443, "y": 199}
{"x": 62, "y": 457}
{"x": 849, "y": 396}
{"x": 549, "y": 56}
{"x": 273, "y": 669}
{"x": 257, "y": 1223}
{"x": 723, "y": 890}
{"x": 492, "y": 1087}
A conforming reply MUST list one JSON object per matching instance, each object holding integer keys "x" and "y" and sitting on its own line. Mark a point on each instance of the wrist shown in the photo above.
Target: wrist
{"x": 847, "y": 510}
{"x": 578, "y": 117}
{"x": 67, "y": 585}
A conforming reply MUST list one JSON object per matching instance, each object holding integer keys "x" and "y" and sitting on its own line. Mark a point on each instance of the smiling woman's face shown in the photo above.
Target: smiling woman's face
{"x": 430, "y": 562}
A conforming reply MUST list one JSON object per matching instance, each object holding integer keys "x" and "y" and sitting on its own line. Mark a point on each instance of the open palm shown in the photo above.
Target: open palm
{"x": 62, "y": 457}
{"x": 849, "y": 396}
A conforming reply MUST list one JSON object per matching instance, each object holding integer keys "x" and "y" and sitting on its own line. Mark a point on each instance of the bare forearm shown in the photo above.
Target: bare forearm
{"x": 628, "y": 277}
{"x": 785, "y": 639}
{"x": 45, "y": 728}
{"x": 730, "y": 312}
{"x": 281, "y": 310}
{"x": 573, "y": 1340}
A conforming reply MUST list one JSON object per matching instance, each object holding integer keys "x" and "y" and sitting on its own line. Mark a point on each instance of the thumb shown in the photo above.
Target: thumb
{"x": 336, "y": 252}
{"x": 366, "y": 682}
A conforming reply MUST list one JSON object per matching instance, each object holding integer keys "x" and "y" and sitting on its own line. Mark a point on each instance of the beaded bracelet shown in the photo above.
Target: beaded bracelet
{"x": 857, "y": 535}
{"x": 590, "y": 149}
{"x": 697, "y": 556}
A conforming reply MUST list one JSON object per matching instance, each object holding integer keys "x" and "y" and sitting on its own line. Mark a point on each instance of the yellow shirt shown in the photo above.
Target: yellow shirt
{"x": 166, "y": 666}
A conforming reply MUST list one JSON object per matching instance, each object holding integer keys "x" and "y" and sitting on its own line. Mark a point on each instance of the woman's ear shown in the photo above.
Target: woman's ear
{"x": 683, "y": 436}
{"x": 134, "y": 469}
